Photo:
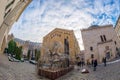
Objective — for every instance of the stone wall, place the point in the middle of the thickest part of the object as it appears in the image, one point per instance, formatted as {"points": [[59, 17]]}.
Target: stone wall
{"points": [[58, 36], [94, 45]]}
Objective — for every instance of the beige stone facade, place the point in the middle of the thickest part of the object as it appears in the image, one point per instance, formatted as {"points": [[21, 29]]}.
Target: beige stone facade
{"points": [[62, 38], [10, 12], [99, 42], [28, 45]]}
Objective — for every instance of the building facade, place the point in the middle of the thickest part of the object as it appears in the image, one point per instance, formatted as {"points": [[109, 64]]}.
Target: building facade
{"points": [[28, 46], [100, 42], [60, 41], [10, 12]]}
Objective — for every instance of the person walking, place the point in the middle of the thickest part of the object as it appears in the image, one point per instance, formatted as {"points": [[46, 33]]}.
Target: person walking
{"points": [[95, 63], [92, 62], [104, 61], [82, 62], [78, 63]]}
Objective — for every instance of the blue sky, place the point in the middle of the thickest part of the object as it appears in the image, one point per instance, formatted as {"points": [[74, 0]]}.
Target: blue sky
{"points": [[42, 16]]}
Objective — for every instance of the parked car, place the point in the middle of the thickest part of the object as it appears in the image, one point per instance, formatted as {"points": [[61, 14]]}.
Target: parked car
{"points": [[10, 58], [13, 59], [22, 60], [33, 62], [16, 60]]}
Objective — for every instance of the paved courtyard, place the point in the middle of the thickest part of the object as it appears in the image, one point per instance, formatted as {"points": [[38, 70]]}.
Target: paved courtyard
{"points": [[110, 72], [26, 71], [16, 70]]}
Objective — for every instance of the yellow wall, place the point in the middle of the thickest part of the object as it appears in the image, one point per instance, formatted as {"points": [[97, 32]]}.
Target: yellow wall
{"points": [[58, 35]]}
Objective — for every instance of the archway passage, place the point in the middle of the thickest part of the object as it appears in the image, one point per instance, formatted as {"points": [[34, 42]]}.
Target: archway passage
{"points": [[10, 18], [108, 55]]}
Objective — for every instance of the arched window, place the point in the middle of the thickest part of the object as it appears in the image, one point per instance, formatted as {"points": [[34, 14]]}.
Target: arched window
{"points": [[91, 48], [92, 55], [115, 42]]}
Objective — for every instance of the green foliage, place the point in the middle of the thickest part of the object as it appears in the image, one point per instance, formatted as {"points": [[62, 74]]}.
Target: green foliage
{"points": [[18, 52], [13, 49], [37, 54]]}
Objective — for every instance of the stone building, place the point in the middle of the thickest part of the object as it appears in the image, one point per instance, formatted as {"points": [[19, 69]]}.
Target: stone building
{"points": [[32, 47], [10, 11], [99, 42], [117, 28], [28, 45], [60, 41]]}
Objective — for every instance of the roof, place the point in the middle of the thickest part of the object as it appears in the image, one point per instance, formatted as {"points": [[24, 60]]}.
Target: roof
{"points": [[57, 29], [96, 27]]}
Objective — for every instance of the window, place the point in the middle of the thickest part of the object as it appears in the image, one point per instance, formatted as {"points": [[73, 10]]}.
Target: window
{"points": [[91, 48], [107, 47], [7, 13], [92, 55], [9, 4], [116, 49], [108, 55], [104, 37], [67, 37], [101, 38], [115, 42]]}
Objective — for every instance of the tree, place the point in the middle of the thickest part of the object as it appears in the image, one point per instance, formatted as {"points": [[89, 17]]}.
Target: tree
{"points": [[18, 52], [37, 54], [11, 47]]}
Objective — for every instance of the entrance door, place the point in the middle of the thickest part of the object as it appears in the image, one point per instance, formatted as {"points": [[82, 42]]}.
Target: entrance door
{"points": [[108, 55]]}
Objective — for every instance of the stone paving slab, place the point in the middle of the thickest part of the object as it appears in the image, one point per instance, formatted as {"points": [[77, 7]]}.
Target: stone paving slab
{"points": [[26, 71]]}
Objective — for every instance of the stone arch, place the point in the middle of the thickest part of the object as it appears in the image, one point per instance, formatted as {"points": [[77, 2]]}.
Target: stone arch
{"points": [[3, 44]]}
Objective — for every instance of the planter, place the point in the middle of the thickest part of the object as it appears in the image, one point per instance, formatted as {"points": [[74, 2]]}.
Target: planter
{"points": [[54, 74]]}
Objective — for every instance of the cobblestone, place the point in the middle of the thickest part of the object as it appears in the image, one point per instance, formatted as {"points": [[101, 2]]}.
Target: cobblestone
{"points": [[26, 71], [110, 72], [17, 70]]}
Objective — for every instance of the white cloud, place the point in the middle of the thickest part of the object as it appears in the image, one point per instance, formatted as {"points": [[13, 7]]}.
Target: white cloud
{"points": [[42, 16]]}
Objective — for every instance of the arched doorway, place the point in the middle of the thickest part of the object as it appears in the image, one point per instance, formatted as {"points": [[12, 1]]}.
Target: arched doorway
{"points": [[107, 52]]}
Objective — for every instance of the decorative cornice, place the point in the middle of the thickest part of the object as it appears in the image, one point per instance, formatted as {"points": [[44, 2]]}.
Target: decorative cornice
{"points": [[105, 41]]}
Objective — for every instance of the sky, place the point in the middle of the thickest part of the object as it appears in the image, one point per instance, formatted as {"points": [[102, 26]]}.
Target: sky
{"points": [[42, 16]]}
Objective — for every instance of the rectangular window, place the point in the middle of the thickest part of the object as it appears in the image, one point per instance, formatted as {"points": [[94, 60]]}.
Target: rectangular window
{"points": [[101, 38], [7, 13], [91, 48], [104, 37], [9, 4], [115, 42]]}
